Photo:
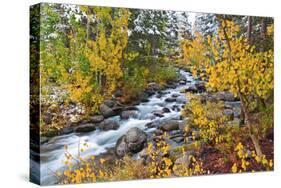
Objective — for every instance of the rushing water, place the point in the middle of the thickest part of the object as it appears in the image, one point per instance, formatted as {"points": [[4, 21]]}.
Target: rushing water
{"points": [[53, 153]]}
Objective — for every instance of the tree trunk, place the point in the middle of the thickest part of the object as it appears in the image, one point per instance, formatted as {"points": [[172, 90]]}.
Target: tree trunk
{"points": [[247, 121], [243, 105], [249, 30]]}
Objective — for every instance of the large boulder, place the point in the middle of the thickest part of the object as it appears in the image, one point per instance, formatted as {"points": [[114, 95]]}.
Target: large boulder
{"points": [[135, 138], [169, 125], [109, 124], [88, 127], [96, 119], [129, 114], [132, 142], [106, 111]]}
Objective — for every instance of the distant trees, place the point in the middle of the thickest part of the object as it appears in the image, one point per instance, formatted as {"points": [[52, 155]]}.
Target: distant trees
{"points": [[82, 50], [87, 53]]}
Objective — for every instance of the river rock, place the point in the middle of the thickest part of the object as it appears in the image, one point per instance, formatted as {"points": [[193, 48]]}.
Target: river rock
{"points": [[150, 125], [106, 111], [67, 130], [181, 100], [135, 139], [158, 113], [96, 119], [225, 96], [117, 93], [109, 124], [175, 95], [88, 127], [191, 89], [121, 148], [166, 110], [171, 85], [109, 103], [200, 86], [182, 82], [132, 142], [131, 108], [176, 108], [43, 140], [170, 100], [117, 109], [169, 125], [153, 86], [128, 114]]}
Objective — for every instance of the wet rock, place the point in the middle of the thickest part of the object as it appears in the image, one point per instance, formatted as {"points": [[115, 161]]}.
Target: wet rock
{"points": [[150, 125], [43, 140], [176, 108], [117, 109], [131, 108], [149, 92], [158, 95], [144, 100], [158, 113], [109, 124], [181, 100], [67, 130], [169, 125], [175, 95], [200, 86], [170, 100], [96, 119], [129, 114], [166, 110], [191, 89], [88, 127], [182, 82], [132, 142], [106, 111]]}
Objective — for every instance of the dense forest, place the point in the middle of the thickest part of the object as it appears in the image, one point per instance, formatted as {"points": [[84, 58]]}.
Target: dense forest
{"points": [[99, 63]]}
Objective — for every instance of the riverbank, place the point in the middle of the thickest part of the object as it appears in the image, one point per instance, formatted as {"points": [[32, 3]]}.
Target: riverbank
{"points": [[157, 119]]}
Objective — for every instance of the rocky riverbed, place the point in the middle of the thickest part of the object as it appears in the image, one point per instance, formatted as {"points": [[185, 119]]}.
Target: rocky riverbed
{"points": [[122, 129]]}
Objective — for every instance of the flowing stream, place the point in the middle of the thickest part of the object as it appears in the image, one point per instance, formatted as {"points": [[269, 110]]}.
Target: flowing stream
{"points": [[53, 152]]}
